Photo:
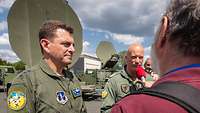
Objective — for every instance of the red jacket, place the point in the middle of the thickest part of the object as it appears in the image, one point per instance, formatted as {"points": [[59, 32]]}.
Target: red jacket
{"points": [[149, 104]]}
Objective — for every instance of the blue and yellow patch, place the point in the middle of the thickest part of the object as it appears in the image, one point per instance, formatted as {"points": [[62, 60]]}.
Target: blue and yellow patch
{"points": [[16, 100]]}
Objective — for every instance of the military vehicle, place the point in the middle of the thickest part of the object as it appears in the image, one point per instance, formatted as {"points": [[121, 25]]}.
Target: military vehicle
{"points": [[108, 59], [7, 74], [94, 80]]}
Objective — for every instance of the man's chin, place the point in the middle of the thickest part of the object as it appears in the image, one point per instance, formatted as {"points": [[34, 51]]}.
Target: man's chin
{"points": [[134, 65], [68, 62]]}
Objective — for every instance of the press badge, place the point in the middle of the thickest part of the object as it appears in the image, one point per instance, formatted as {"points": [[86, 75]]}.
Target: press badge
{"points": [[76, 92]]}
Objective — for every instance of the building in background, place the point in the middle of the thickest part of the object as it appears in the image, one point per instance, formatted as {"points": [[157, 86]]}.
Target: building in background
{"points": [[86, 62]]}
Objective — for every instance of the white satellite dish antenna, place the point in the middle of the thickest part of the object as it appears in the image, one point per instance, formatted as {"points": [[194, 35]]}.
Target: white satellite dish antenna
{"points": [[26, 16], [105, 50]]}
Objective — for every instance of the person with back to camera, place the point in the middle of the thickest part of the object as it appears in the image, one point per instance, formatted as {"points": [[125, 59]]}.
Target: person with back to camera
{"points": [[176, 57]]}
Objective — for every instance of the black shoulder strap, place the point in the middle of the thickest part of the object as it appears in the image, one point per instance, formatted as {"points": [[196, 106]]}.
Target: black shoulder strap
{"points": [[183, 95]]}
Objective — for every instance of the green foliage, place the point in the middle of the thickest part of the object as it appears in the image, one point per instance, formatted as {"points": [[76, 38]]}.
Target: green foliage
{"points": [[4, 63], [19, 65]]}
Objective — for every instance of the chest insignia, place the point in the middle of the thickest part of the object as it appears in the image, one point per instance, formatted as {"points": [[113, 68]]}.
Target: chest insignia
{"points": [[61, 98], [76, 92], [139, 85], [16, 100], [125, 88]]}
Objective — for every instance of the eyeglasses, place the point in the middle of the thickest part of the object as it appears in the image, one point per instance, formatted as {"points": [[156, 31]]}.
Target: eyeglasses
{"points": [[148, 64]]}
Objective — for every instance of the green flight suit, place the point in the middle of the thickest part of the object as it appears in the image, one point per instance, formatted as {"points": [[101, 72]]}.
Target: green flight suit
{"points": [[40, 90], [118, 86]]}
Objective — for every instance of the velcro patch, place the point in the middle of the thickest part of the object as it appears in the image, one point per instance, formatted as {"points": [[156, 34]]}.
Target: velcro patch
{"points": [[61, 97], [125, 88], [16, 100], [76, 92], [104, 94]]}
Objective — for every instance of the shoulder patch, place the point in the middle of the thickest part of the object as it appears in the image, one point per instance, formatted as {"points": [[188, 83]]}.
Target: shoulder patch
{"points": [[125, 88], [104, 94], [16, 99]]}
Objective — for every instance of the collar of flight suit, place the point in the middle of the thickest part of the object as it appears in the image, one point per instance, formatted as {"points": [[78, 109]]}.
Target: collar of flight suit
{"points": [[45, 68], [127, 76]]}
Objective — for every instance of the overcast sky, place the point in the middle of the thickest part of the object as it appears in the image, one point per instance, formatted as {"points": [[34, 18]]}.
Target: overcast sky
{"points": [[121, 21]]}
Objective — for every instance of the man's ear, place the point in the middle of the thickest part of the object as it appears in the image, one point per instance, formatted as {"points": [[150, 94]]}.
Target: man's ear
{"points": [[45, 45], [162, 32]]}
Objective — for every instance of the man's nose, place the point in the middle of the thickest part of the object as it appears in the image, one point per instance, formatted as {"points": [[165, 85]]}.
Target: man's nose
{"points": [[137, 60], [72, 48]]}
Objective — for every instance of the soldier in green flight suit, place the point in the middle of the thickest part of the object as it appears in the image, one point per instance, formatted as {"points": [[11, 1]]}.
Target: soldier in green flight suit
{"points": [[49, 87], [123, 82]]}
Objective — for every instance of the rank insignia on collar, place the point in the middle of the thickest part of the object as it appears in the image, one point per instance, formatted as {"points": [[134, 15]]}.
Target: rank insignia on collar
{"points": [[16, 100], [125, 88], [76, 92], [61, 98]]}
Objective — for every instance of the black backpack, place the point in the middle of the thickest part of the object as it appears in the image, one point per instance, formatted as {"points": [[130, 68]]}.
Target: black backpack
{"points": [[183, 95]]}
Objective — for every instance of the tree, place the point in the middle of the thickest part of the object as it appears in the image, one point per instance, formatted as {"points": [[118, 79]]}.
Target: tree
{"points": [[19, 65], [4, 62]]}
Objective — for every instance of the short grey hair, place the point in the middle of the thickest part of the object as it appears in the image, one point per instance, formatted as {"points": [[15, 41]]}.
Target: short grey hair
{"points": [[184, 25]]}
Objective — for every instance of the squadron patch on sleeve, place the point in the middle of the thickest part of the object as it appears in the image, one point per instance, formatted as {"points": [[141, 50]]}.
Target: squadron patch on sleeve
{"points": [[16, 100], [104, 94], [125, 88]]}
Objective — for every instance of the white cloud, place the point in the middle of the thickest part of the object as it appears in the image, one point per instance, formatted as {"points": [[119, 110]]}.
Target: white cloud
{"points": [[128, 39], [147, 51], [4, 39], [6, 3], [106, 36], [137, 17], [5, 50], [8, 55], [3, 25], [86, 45]]}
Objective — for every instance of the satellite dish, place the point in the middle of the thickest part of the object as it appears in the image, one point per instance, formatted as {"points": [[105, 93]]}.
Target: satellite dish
{"points": [[24, 20], [107, 54]]}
